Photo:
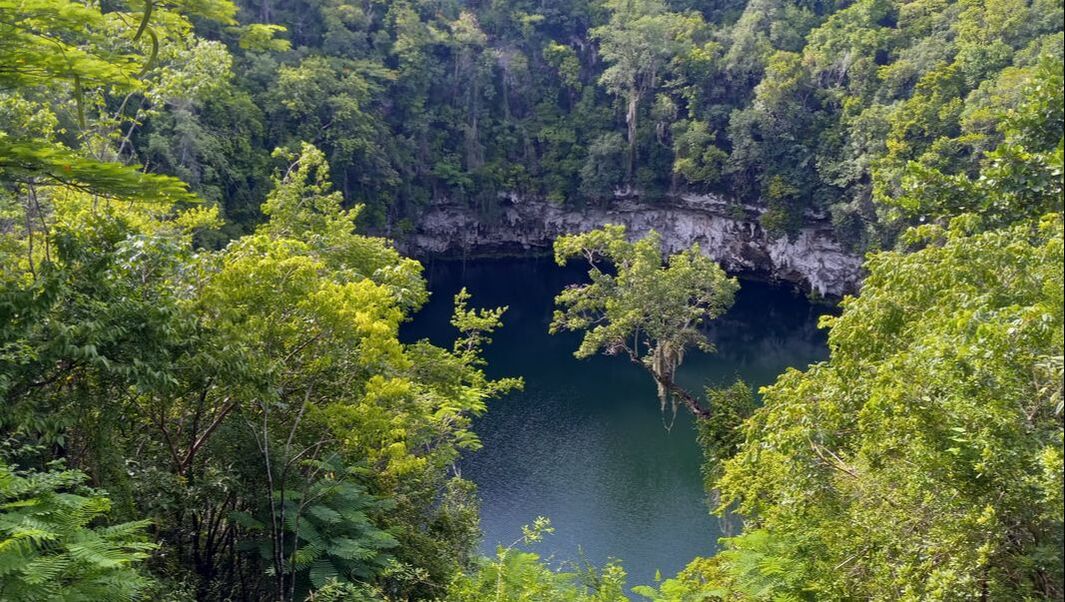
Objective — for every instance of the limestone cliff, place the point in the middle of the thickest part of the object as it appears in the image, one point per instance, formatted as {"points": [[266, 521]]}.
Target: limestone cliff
{"points": [[812, 259]]}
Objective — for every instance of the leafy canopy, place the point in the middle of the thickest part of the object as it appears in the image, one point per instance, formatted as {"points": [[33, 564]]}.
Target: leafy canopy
{"points": [[641, 304], [923, 460]]}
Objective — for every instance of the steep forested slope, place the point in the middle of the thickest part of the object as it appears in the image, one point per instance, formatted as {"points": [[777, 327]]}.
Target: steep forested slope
{"points": [[792, 105]]}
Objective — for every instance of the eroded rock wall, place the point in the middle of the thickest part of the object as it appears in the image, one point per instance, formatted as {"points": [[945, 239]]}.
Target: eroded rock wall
{"points": [[812, 259]]}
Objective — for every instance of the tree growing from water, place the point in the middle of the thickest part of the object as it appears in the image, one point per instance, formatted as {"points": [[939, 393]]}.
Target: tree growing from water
{"points": [[642, 304]]}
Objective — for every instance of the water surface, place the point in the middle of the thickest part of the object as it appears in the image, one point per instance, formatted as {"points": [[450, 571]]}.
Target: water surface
{"points": [[585, 443]]}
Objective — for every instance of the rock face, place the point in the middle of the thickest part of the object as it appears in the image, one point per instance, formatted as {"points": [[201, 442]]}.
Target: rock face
{"points": [[812, 259]]}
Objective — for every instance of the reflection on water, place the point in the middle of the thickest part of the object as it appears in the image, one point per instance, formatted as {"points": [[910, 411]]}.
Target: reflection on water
{"points": [[584, 444]]}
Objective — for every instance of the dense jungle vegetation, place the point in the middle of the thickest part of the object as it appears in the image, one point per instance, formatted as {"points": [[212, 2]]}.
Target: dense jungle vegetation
{"points": [[205, 395]]}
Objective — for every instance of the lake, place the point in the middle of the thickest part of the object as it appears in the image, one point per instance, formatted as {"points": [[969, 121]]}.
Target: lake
{"points": [[586, 444]]}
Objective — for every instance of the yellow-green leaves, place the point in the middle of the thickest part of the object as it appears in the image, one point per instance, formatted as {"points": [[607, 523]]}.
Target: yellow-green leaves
{"points": [[283, 346], [259, 37], [27, 160], [40, 45], [921, 453], [303, 206], [519, 576], [52, 548]]}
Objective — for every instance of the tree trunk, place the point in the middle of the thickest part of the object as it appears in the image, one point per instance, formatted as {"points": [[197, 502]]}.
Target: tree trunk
{"points": [[680, 392], [630, 119]]}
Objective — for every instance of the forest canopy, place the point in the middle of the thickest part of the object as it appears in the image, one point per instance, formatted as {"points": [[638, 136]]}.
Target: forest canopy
{"points": [[801, 108], [205, 391]]}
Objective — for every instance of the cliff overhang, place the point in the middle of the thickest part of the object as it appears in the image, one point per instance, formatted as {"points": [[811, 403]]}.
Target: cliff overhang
{"points": [[812, 258]]}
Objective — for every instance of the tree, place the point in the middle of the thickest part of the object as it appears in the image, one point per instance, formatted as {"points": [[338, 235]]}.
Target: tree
{"points": [[721, 434], [638, 42], [315, 309], [697, 158], [265, 380], [642, 305], [181, 378], [326, 534], [925, 454], [1020, 178]]}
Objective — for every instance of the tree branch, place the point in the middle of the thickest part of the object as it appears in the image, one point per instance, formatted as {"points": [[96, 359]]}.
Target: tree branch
{"points": [[667, 383]]}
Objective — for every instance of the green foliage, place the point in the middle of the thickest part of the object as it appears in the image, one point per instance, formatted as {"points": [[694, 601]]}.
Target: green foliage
{"points": [[603, 172], [315, 309], [721, 434], [248, 384], [638, 42], [573, 102], [31, 161], [67, 56], [664, 300], [49, 549], [44, 42], [327, 533], [514, 575], [570, 101], [640, 304], [924, 455], [928, 396], [200, 386], [259, 37], [752, 566], [1019, 178], [698, 159]]}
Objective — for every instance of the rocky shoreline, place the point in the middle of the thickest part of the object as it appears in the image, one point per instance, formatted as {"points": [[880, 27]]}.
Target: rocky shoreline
{"points": [[812, 259]]}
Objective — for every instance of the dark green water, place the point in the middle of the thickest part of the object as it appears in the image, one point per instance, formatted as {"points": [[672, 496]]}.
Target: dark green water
{"points": [[584, 444]]}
